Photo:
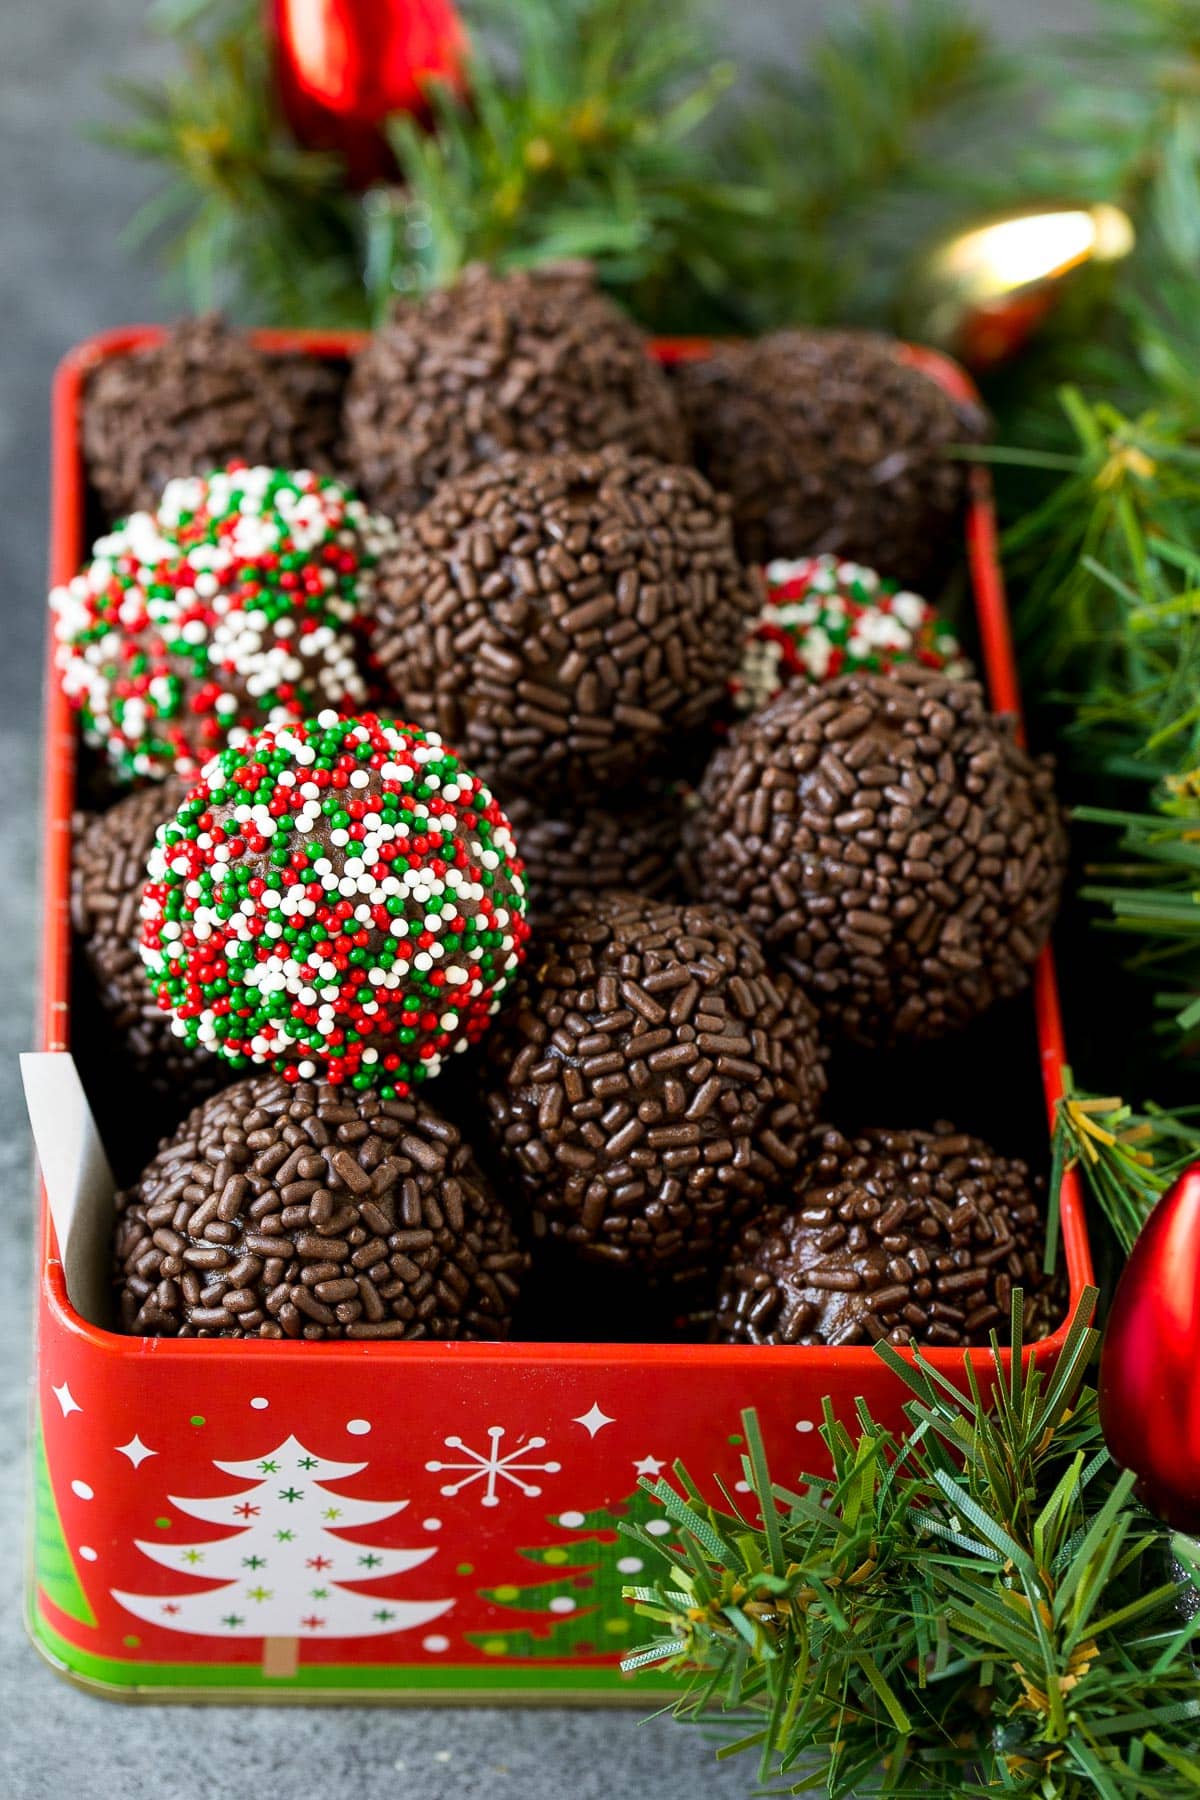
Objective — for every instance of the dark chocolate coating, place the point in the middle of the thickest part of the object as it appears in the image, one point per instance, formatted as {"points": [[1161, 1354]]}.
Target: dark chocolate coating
{"points": [[891, 843], [535, 361], [108, 870], [828, 440], [576, 853], [307, 1211], [562, 621], [652, 1082], [202, 398], [892, 1236]]}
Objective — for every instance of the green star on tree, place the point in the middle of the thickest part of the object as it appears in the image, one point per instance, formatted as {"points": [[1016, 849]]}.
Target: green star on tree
{"points": [[307, 1462], [370, 1560], [233, 1620], [284, 1537], [254, 1562], [269, 1467], [193, 1556], [259, 1593], [291, 1493]]}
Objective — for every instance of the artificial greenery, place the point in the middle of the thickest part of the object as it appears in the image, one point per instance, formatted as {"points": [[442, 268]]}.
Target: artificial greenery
{"points": [[978, 1605], [709, 198], [1128, 1159]]}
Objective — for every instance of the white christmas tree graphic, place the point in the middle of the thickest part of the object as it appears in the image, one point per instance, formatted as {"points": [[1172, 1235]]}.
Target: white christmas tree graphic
{"points": [[282, 1576]]}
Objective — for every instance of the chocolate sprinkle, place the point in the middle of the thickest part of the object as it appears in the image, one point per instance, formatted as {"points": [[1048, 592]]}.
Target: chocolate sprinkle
{"points": [[575, 854], [203, 397], [534, 361], [561, 620], [829, 441], [653, 1081], [108, 871], [301, 1211], [891, 842], [892, 1236]]}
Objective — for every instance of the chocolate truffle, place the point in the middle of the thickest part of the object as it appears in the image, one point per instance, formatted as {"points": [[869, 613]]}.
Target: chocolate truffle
{"points": [[652, 1082], [230, 606], [825, 618], [203, 397], [891, 843], [108, 870], [281, 1211], [340, 898], [831, 440], [576, 853], [564, 619], [891, 1236], [535, 361]]}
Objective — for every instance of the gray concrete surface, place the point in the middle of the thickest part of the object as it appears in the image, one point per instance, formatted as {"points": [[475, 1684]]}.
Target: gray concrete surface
{"points": [[64, 273]]}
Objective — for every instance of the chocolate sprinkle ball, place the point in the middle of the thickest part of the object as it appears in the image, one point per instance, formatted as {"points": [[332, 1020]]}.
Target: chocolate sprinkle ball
{"points": [[307, 1212], [653, 1081], [108, 870], [202, 397], [891, 843], [534, 361], [830, 441], [575, 854], [564, 619], [892, 1236]]}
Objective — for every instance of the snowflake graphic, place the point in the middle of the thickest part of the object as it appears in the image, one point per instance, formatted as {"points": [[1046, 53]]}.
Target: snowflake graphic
{"points": [[493, 1466]]}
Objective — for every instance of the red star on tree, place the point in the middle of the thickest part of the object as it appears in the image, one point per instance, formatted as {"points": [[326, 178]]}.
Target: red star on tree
{"points": [[312, 1623], [319, 1562], [246, 1511]]}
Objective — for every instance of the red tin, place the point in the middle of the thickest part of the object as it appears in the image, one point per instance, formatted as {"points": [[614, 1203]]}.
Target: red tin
{"points": [[402, 1521]]}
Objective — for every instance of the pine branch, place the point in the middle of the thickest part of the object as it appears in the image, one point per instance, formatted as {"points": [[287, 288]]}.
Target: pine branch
{"points": [[978, 1605], [1128, 1159]]}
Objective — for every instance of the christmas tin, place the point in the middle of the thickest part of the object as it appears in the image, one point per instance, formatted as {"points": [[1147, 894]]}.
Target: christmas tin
{"points": [[406, 1520]]}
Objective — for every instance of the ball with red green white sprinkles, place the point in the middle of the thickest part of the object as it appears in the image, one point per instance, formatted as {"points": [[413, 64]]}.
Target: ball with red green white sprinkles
{"points": [[339, 898], [824, 618], [229, 607]]}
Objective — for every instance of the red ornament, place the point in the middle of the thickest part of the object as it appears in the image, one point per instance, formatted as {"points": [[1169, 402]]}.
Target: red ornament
{"points": [[1150, 1366], [343, 66]]}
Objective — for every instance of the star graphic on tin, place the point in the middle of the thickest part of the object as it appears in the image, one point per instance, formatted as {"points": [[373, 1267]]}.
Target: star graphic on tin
{"points": [[649, 1465], [593, 1420], [332, 1512], [312, 1623], [258, 1593], [306, 1462], [135, 1450], [383, 1615], [284, 1537], [368, 1561], [319, 1562], [318, 1593], [193, 1556], [291, 1493], [268, 1466], [233, 1620], [170, 1607], [68, 1402], [254, 1562]]}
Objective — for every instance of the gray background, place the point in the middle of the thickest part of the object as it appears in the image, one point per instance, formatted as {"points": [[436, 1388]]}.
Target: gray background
{"points": [[64, 274]]}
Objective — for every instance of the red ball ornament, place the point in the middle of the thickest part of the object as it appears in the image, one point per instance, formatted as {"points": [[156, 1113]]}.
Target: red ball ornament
{"points": [[343, 66], [1150, 1365]]}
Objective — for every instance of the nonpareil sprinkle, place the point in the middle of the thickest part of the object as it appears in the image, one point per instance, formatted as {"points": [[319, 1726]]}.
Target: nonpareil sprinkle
{"points": [[233, 605], [339, 898]]}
